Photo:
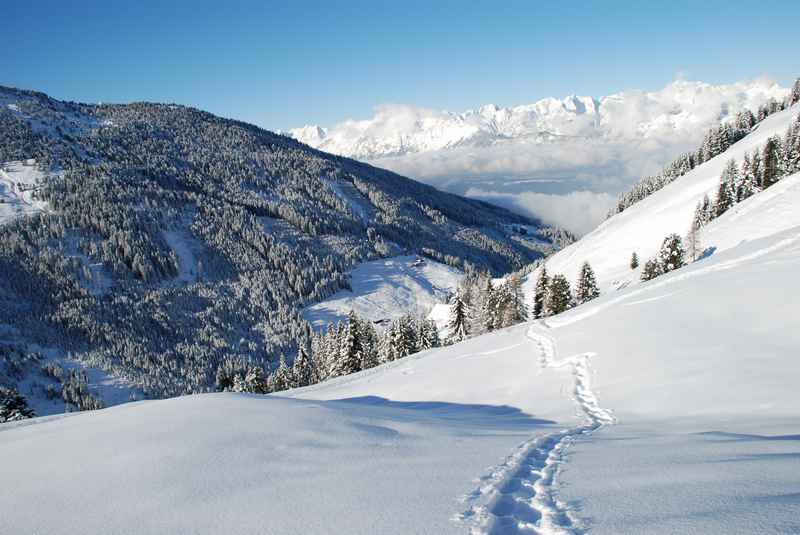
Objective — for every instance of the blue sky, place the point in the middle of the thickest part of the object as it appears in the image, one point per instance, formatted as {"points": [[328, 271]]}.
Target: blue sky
{"points": [[280, 65]]}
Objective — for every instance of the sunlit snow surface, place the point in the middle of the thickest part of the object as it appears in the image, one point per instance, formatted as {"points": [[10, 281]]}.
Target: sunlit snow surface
{"points": [[18, 182], [664, 407], [698, 368], [642, 227], [388, 288]]}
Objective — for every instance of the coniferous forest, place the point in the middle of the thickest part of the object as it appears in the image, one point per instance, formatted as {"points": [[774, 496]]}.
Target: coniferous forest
{"points": [[178, 249]]}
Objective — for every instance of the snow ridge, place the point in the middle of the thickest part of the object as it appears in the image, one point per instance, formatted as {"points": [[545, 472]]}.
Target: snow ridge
{"points": [[520, 495]]}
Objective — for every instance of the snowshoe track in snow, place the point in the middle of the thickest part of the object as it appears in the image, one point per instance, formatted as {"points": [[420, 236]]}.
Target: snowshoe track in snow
{"points": [[519, 496]]}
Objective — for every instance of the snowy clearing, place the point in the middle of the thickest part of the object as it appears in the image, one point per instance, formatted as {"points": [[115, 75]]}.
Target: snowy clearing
{"points": [[386, 289], [18, 182]]}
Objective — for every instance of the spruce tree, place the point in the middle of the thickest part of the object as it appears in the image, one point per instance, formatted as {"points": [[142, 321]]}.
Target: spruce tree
{"points": [[325, 360], [634, 260], [428, 335], [302, 369], [458, 326], [516, 299], [559, 295], [699, 218], [405, 342], [586, 288], [671, 255], [350, 351], [386, 351], [542, 284], [726, 194], [794, 94], [255, 380], [791, 149], [770, 163], [747, 180], [282, 377], [369, 345], [488, 313], [651, 270], [13, 406]]}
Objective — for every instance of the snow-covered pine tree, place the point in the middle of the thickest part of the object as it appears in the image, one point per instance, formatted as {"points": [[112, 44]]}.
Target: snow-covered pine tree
{"points": [[770, 163], [634, 260], [504, 311], [693, 243], [671, 255], [386, 344], [699, 218], [428, 335], [747, 181], [726, 194], [794, 94], [405, 342], [256, 381], [325, 359], [651, 270], [745, 121], [516, 299], [350, 351], [559, 295], [302, 369], [586, 288], [542, 284], [282, 376], [315, 355], [458, 325], [238, 384], [791, 149], [13, 406], [253, 381], [369, 345], [488, 313]]}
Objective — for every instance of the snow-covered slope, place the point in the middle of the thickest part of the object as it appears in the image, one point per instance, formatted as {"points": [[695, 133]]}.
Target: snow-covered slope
{"points": [[664, 407], [668, 407], [386, 289], [642, 227], [18, 181]]}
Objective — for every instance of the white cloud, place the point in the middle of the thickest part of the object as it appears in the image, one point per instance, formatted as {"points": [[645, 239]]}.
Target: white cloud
{"points": [[551, 147], [576, 211]]}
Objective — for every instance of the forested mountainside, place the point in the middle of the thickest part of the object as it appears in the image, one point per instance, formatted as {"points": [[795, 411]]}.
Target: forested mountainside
{"points": [[170, 247], [717, 140]]}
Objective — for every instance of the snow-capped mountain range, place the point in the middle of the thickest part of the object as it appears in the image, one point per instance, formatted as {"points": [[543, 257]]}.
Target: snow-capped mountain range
{"points": [[681, 107], [561, 160]]}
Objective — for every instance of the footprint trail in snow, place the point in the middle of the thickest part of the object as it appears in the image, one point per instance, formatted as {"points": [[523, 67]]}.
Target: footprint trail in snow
{"points": [[519, 495]]}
